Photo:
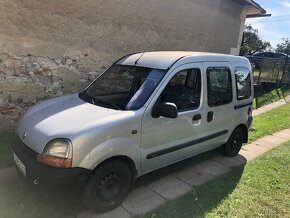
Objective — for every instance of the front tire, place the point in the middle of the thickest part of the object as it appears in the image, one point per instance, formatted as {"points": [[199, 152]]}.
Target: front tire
{"points": [[108, 186], [234, 143]]}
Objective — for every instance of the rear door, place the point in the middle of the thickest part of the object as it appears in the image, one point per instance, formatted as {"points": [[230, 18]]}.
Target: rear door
{"points": [[219, 106]]}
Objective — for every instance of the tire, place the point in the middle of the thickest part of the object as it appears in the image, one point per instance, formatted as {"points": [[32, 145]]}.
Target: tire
{"points": [[234, 143], [108, 186]]}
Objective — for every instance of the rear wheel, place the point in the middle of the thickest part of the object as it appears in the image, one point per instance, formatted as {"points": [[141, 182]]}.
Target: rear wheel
{"points": [[234, 143], [108, 186]]}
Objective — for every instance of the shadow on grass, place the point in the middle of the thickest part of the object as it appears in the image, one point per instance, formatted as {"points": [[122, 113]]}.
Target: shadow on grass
{"points": [[19, 198], [201, 199], [22, 199], [174, 168]]}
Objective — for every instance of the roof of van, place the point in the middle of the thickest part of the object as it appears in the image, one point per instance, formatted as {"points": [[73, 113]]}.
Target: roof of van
{"points": [[166, 59]]}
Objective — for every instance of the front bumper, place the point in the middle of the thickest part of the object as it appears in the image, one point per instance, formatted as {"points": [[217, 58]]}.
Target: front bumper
{"points": [[72, 179]]}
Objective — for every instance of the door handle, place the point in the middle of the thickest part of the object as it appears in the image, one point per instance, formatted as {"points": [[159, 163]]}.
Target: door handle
{"points": [[196, 117], [210, 116]]}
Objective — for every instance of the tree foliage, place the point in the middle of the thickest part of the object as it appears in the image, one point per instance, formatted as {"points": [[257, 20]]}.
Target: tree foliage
{"points": [[251, 42], [284, 46]]}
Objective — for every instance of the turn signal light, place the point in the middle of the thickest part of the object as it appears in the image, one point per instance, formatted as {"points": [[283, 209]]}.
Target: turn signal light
{"points": [[55, 161]]}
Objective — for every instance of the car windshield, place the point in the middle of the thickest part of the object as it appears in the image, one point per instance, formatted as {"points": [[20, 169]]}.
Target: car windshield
{"points": [[123, 87]]}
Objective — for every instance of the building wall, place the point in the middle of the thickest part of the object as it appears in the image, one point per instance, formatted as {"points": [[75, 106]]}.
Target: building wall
{"points": [[53, 47]]}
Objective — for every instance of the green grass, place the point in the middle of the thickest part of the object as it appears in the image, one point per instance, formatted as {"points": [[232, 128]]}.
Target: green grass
{"points": [[267, 98], [261, 189], [271, 97], [270, 122], [6, 138]]}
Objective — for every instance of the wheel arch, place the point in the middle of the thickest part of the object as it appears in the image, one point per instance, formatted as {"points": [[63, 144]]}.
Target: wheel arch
{"points": [[244, 128], [120, 148], [127, 160]]}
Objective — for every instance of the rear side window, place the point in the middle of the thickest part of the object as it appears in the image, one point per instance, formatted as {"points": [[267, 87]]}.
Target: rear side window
{"points": [[219, 86], [243, 83]]}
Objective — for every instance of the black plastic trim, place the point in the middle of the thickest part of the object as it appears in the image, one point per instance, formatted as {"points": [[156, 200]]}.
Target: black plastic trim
{"points": [[124, 57], [185, 145], [243, 105], [174, 62], [46, 175]]}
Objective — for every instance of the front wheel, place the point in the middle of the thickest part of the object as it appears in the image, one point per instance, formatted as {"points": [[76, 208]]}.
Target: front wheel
{"points": [[234, 143], [108, 186]]}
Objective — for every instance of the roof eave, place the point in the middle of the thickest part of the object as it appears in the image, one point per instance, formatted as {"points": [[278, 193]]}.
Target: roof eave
{"points": [[257, 6], [258, 15]]}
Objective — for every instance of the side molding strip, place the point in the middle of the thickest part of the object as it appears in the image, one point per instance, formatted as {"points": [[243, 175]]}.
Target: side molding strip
{"points": [[243, 105], [185, 145]]}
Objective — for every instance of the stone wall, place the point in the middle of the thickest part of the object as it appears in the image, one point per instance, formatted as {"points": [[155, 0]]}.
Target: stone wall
{"points": [[53, 47], [24, 80]]}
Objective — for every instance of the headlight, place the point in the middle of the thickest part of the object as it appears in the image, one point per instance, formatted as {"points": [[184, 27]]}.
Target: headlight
{"points": [[58, 148], [57, 153]]}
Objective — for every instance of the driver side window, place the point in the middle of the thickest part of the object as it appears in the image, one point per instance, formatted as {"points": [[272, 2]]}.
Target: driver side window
{"points": [[184, 90]]}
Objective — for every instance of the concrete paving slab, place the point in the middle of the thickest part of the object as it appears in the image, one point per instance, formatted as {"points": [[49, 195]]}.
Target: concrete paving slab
{"points": [[248, 155], [265, 143], [268, 107], [231, 161], [118, 212], [212, 167], [170, 187], [142, 200], [286, 131], [275, 139], [282, 135], [7, 174], [193, 176], [256, 149]]}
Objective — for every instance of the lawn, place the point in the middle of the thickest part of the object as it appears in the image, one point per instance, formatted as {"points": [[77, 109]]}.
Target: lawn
{"points": [[272, 96], [270, 122], [261, 189]]}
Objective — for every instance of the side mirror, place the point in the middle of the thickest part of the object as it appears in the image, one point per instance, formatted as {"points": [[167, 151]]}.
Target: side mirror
{"points": [[166, 109]]}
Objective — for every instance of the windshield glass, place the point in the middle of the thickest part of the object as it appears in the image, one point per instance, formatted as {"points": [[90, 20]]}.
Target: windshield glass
{"points": [[123, 87]]}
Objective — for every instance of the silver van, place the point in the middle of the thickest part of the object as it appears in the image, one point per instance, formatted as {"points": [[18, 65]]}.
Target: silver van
{"points": [[148, 110]]}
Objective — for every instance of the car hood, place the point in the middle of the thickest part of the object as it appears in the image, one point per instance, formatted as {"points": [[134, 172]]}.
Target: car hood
{"points": [[62, 117]]}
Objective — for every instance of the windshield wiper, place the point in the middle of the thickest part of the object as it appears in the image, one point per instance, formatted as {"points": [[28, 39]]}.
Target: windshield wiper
{"points": [[96, 100], [108, 103]]}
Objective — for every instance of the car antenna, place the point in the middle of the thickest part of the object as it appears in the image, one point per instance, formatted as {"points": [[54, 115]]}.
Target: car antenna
{"points": [[136, 62]]}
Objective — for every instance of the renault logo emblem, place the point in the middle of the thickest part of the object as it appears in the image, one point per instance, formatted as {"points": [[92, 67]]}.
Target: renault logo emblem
{"points": [[24, 135]]}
